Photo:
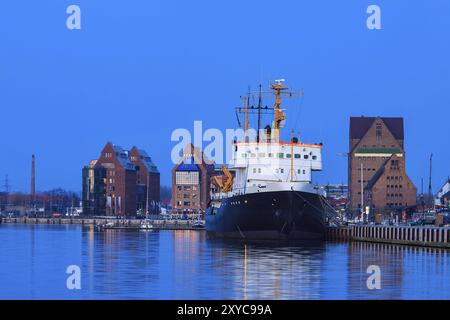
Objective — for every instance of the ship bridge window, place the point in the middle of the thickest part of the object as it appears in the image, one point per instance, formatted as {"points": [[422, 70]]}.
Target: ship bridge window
{"points": [[305, 156], [314, 157], [270, 155], [261, 155], [244, 155], [281, 155], [253, 155], [288, 155], [297, 156]]}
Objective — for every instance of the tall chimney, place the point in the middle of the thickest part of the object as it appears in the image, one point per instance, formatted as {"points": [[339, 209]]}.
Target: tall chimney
{"points": [[33, 177]]}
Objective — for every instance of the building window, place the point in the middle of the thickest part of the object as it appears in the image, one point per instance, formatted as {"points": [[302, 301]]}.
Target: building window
{"points": [[186, 203], [379, 135], [314, 157], [297, 156], [281, 155], [305, 156], [288, 155], [187, 177]]}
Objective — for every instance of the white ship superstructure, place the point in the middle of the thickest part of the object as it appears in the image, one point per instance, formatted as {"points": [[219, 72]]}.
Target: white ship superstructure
{"points": [[267, 166]]}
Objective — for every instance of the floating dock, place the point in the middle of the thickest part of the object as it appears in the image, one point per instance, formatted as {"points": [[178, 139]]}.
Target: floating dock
{"points": [[426, 236]]}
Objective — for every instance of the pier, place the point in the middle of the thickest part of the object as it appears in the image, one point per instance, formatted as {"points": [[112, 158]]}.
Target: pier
{"points": [[159, 224], [427, 236]]}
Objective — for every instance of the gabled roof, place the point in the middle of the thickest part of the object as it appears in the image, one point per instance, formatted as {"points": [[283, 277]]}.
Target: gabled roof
{"points": [[147, 161], [122, 157], [192, 158], [360, 125]]}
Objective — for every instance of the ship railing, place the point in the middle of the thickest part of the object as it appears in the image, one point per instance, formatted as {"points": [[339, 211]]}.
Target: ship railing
{"points": [[222, 195]]}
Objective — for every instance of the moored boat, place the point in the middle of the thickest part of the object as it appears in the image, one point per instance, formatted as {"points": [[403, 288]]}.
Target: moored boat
{"points": [[268, 192]]}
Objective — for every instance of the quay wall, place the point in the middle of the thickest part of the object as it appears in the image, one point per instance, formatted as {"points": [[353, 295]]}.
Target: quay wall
{"points": [[157, 223], [428, 236]]}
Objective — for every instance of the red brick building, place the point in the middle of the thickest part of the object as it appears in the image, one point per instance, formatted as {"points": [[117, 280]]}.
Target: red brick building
{"points": [[147, 181], [120, 181], [123, 185], [191, 181], [376, 152]]}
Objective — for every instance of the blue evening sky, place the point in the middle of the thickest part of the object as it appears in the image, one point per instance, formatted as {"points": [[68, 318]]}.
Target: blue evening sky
{"points": [[139, 69]]}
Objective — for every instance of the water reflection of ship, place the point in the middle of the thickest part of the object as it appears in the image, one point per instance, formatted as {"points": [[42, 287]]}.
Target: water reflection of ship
{"points": [[269, 272]]}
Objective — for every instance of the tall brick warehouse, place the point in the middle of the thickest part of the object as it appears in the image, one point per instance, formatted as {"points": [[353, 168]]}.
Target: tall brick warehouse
{"points": [[116, 183], [378, 144], [191, 181]]}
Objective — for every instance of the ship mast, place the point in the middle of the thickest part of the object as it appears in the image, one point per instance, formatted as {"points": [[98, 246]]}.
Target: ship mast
{"points": [[246, 122], [279, 113], [259, 112]]}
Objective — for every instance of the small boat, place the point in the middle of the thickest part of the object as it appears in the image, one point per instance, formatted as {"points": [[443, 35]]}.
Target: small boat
{"points": [[146, 225], [108, 225], [198, 224], [117, 226]]}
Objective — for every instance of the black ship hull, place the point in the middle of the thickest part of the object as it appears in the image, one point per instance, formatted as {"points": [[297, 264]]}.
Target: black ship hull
{"points": [[279, 215]]}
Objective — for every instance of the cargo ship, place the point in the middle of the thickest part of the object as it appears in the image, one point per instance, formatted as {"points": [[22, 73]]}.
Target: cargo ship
{"points": [[267, 192]]}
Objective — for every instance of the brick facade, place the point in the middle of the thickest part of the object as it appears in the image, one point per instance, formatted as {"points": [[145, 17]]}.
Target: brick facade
{"points": [[191, 181], [373, 143], [120, 181], [125, 183], [147, 176]]}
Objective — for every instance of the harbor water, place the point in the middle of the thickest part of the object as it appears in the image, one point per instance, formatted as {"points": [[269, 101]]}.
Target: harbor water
{"points": [[185, 264]]}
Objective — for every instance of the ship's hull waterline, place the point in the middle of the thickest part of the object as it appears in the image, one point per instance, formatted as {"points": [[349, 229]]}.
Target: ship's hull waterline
{"points": [[278, 215]]}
